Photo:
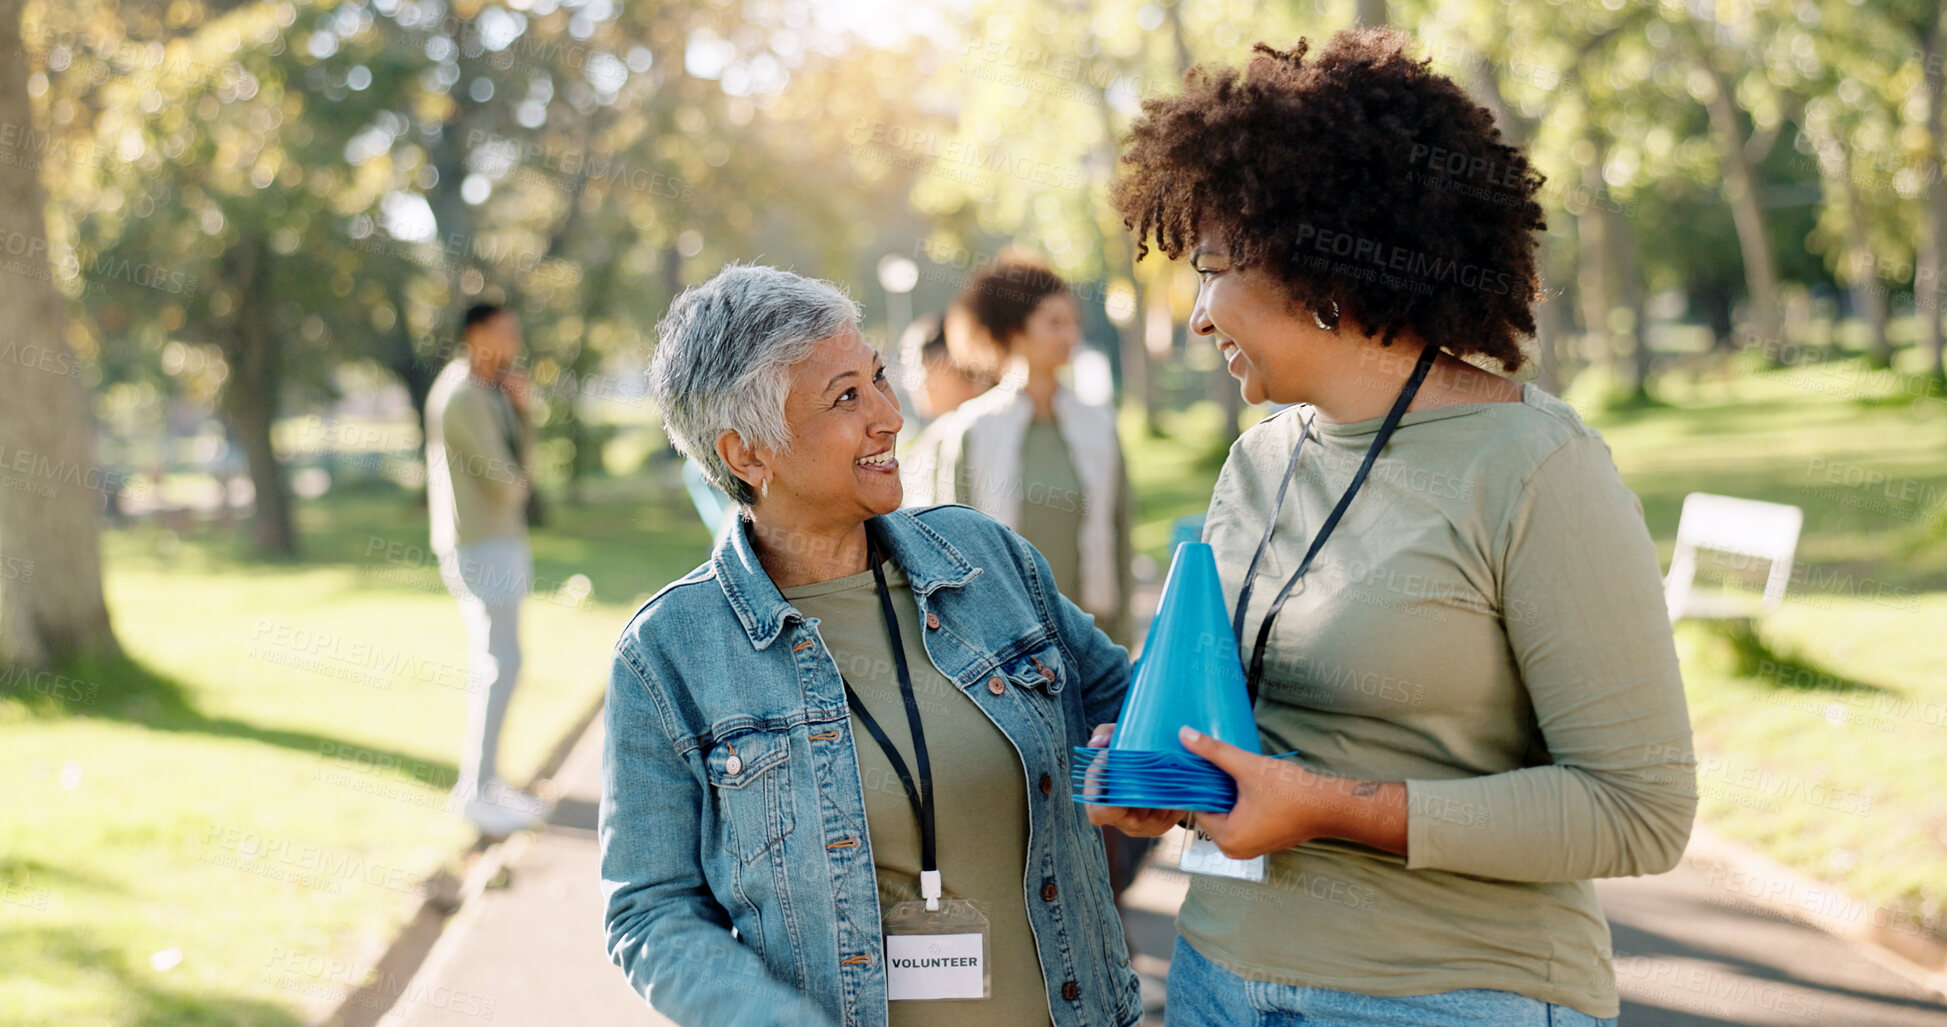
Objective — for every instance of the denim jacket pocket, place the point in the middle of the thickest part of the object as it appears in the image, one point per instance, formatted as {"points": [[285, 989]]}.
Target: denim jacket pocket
{"points": [[750, 777], [1042, 670]]}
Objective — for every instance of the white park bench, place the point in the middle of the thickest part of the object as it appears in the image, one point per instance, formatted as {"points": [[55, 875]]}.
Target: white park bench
{"points": [[1743, 527]]}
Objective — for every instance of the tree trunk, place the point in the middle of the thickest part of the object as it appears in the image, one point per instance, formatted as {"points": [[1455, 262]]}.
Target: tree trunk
{"points": [[1741, 191], [51, 492], [1548, 327], [1592, 275], [1137, 381], [1868, 297], [1119, 255], [415, 372], [1633, 363], [1926, 280], [250, 398]]}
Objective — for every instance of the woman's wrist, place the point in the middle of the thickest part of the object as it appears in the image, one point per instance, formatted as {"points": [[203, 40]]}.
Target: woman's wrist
{"points": [[1370, 813]]}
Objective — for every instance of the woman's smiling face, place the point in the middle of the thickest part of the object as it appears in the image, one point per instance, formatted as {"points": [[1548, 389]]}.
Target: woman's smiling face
{"points": [[844, 420], [1247, 315]]}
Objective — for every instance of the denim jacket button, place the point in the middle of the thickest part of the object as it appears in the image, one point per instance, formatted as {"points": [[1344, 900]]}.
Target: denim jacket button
{"points": [[932, 620], [1048, 892], [1047, 784], [1071, 991], [997, 685], [733, 765]]}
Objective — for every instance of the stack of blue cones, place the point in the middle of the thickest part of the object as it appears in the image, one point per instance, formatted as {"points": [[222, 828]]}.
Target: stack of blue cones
{"points": [[1189, 674]]}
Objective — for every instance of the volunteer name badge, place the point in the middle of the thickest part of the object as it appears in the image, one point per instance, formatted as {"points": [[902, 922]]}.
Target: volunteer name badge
{"points": [[1201, 856], [936, 954], [935, 966]]}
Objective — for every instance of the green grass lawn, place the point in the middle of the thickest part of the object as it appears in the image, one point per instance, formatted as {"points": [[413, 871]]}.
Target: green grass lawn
{"points": [[258, 788], [1821, 729]]}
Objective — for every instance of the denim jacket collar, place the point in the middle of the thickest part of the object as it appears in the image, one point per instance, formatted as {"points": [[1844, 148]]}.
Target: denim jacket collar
{"points": [[928, 559]]}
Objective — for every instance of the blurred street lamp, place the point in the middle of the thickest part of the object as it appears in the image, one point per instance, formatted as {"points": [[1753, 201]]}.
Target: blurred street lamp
{"points": [[897, 275]]}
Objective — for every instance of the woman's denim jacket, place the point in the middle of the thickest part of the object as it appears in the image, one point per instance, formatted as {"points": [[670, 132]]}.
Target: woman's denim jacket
{"points": [[735, 857]]}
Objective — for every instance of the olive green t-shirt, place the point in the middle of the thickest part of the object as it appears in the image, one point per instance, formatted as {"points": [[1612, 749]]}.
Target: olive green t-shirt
{"points": [[981, 802], [1052, 503], [1053, 506], [1487, 625]]}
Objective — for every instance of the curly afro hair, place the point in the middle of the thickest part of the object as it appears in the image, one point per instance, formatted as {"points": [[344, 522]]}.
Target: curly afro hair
{"points": [[1359, 178]]}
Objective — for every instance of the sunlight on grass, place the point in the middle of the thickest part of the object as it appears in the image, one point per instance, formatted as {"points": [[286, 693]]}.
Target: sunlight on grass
{"points": [[261, 785]]}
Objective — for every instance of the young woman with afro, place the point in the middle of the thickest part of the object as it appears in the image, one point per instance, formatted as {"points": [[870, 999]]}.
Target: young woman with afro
{"points": [[1446, 600]]}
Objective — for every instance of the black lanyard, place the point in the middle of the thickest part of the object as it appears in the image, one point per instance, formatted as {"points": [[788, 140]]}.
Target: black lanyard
{"points": [[1386, 429], [920, 794]]}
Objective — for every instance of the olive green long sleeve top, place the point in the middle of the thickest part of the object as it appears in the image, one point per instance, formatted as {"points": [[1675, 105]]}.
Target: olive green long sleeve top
{"points": [[1487, 625]]}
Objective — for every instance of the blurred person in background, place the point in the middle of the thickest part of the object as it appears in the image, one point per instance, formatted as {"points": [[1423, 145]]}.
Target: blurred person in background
{"points": [[943, 384], [939, 385], [479, 443], [849, 709], [1029, 452]]}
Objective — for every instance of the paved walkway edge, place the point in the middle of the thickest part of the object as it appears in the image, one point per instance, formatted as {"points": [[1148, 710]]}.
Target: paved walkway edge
{"points": [[1746, 877], [447, 906], [1753, 879]]}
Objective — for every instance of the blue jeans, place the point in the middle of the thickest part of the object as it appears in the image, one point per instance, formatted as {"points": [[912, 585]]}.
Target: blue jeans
{"points": [[1203, 994]]}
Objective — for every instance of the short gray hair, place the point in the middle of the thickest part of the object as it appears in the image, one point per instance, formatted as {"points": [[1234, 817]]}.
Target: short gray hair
{"points": [[724, 356]]}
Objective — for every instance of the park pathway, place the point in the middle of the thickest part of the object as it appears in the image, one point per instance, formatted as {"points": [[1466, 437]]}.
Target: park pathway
{"points": [[1685, 958]]}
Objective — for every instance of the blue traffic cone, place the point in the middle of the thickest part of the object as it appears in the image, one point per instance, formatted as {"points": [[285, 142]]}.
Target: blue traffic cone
{"points": [[1190, 672]]}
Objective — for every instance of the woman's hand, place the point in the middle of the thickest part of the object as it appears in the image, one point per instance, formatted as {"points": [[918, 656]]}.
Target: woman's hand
{"points": [[1137, 823], [1281, 804]]}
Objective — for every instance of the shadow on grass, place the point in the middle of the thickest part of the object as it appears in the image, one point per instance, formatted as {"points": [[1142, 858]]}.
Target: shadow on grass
{"points": [[137, 993], [1755, 659], [17, 874], [632, 536], [121, 688]]}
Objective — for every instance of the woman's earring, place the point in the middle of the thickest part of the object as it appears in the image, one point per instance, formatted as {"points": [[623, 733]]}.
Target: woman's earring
{"points": [[1320, 318], [764, 489]]}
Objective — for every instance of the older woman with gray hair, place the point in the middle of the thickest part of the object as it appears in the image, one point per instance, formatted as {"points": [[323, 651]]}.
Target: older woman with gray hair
{"points": [[835, 789]]}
